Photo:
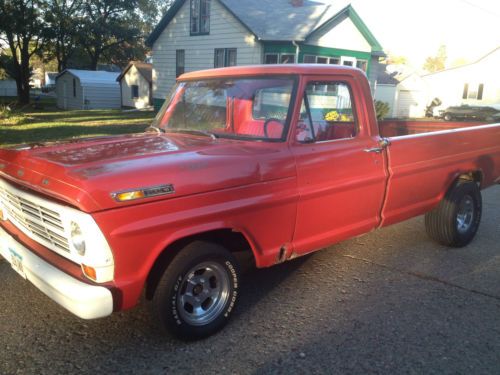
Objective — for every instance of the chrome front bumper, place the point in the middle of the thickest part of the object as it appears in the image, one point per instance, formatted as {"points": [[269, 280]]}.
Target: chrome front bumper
{"points": [[84, 300]]}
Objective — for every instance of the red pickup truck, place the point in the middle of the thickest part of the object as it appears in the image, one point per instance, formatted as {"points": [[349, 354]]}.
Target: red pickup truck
{"points": [[276, 161]]}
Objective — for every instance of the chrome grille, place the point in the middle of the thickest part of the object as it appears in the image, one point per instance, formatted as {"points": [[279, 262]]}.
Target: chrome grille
{"points": [[44, 224]]}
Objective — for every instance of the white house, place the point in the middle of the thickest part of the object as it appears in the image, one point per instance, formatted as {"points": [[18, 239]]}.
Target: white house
{"points": [[472, 84], [136, 85], [202, 34], [86, 89], [8, 87], [476, 84], [50, 79]]}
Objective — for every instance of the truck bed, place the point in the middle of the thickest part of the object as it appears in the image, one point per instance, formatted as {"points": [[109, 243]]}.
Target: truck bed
{"points": [[424, 158], [397, 128]]}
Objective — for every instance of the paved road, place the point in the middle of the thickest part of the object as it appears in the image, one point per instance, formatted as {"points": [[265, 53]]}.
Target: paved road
{"points": [[389, 302]]}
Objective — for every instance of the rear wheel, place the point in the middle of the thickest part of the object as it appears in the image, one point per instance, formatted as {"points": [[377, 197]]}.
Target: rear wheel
{"points": [[456, 219], [197, 292]]}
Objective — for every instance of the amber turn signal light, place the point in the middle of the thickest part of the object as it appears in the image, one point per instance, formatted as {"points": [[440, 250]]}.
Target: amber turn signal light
{"points": [[129, 195], [152, 191], [89, 272]]}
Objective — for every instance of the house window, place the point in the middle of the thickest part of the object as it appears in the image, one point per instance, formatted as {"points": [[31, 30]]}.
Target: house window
{"points": [[179, 62], [312, 59], [74, 88], [224, 57], [309, 59], [287, 58], [200, 17], [135, 91], [231, 56], [279, 58], [362, 64], [473, 92], [271, 58]]}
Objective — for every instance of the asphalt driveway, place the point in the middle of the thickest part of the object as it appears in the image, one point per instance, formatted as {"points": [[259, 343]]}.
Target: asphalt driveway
{"points": [[388, 302]]}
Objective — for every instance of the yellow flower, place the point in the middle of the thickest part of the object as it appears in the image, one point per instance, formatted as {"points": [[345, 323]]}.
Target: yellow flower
{"points": [[332, 116], [345, 117]]}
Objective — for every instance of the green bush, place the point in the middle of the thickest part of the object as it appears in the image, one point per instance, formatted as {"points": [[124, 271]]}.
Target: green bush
{"points": [[381, 109]]}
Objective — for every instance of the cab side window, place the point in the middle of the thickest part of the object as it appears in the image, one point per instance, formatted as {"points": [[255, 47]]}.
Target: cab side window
{"points": [[327, 113]]}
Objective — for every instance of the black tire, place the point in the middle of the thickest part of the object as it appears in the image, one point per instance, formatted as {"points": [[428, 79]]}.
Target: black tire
{"points": [[455, 221], [183, 303], [447, 117]]}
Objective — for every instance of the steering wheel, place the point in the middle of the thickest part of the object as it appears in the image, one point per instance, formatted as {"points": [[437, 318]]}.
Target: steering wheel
{"points": [[266, 123]]}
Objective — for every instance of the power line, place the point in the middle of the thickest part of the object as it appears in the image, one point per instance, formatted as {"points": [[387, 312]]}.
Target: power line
{"points": [[489, 11]]}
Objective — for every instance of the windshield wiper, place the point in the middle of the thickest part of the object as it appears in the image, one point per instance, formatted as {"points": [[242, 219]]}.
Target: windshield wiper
{"points": [[192, 131], [154, 128]]}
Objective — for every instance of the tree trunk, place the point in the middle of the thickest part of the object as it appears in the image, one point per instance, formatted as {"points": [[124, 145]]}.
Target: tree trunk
{"points": [[94, 60], [23, 87], [23, 94]]}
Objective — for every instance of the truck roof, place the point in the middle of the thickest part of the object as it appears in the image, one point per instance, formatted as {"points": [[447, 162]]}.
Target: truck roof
{"points": [[274, 69]]}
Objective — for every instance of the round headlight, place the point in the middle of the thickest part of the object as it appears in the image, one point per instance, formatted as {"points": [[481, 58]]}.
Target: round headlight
{"points": [[77, 238]]}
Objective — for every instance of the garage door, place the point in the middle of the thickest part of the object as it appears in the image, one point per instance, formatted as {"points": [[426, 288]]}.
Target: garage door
{"points": [[406, 99]]}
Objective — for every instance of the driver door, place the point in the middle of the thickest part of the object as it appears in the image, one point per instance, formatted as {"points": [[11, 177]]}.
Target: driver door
{"points": [[341, 175]]}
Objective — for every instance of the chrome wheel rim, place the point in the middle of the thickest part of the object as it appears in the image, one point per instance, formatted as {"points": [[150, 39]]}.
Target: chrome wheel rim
{"points": [[465, 214], [203, 293]]}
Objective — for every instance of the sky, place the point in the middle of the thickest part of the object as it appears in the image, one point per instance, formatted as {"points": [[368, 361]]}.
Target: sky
{"points": [[416, 28]]}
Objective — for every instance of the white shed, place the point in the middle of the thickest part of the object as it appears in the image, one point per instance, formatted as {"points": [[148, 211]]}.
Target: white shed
{"points": [[412, 96], [136, 85], [8, 87], [87, 89]]}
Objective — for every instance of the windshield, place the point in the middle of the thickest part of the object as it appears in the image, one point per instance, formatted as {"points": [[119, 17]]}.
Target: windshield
{"points": [[252, 108]]}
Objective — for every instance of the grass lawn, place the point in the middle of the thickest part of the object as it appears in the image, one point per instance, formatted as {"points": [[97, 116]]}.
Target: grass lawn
{"points": [[45, 122]]}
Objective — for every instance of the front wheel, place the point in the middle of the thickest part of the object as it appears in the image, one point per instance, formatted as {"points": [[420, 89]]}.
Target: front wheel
{"points": [[197, 292], [456, 219]]}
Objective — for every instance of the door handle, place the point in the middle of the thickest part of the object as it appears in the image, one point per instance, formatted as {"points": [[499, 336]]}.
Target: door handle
{"points": [[376, 150], [383, 143]]}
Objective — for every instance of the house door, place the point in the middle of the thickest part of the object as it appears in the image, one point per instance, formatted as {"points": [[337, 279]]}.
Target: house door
{"points": [[65, 95], [341, 168]]}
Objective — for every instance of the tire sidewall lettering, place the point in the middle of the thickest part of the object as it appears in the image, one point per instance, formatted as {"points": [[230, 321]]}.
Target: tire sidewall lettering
{"points": [[173, 299]]}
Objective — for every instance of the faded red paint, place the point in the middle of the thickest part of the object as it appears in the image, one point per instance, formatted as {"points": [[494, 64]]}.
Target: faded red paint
{"points": [[301, 196]]}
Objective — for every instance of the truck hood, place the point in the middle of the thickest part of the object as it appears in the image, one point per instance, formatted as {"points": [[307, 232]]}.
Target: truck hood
{"points": [[84, 173]]}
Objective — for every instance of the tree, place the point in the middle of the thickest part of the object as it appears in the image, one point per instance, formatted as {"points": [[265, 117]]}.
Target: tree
{"points": [[107, 25], [62, 18], [436, 63], [151, 12], [392, 59], [22, 35]]}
